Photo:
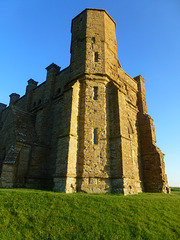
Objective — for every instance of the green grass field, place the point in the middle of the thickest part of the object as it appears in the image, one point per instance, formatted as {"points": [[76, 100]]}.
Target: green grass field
{"points": [[36, 214]]}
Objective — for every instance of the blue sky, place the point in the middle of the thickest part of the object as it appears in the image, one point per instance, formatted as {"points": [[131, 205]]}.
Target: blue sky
{"points": [[35, 33]]}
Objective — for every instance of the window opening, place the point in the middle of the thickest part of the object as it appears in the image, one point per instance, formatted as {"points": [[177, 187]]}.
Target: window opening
{"points": [[93, 39], [95, 136], [39, 102], [96, 57], [80, 22], [95, 97]]}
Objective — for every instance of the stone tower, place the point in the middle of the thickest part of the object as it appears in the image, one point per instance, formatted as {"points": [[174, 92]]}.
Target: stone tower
{"points": [[87, 127]]}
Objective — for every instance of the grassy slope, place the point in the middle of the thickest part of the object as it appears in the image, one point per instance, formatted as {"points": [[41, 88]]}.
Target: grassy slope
{"points": [[35, 214]]}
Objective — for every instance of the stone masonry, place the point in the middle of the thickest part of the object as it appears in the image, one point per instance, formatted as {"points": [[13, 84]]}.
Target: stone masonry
{"points": [[86, 128]]}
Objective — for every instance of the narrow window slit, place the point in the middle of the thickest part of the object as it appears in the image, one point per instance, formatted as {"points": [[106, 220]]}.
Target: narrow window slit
{"points": [[95, 97], [96, 57], [92, 42], [95, 136]]}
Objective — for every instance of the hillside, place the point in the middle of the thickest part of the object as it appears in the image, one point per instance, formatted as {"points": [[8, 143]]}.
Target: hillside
{"points": [[36, 214]]}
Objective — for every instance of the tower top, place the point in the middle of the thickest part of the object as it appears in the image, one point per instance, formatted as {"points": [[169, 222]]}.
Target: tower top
{"points": [[93, 44], [94, 9]]}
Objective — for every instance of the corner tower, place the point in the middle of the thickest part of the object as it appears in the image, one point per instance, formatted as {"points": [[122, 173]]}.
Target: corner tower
{"points": [[101, 148], [93, 44]]}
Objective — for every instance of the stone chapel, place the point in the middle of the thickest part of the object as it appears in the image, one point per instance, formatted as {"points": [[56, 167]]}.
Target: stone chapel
{"points": [[86, 128]]}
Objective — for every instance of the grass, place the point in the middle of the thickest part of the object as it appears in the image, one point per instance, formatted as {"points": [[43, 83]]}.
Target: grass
{"points": [[36, 214]]}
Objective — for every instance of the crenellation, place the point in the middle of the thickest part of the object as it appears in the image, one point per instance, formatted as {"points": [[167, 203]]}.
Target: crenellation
{"points": [[32, 84], [13, 98], [86, 128]]}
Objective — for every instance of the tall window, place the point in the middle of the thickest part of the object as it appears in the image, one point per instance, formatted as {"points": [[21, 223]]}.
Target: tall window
{"points": [[95, 136], [95, 97], [96, 56], [92, 42]]}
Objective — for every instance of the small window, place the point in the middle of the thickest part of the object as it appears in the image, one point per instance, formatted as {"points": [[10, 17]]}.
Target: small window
{"points": [[39, 102], [96, 57], [95, 136], [93, 39], [95, 97], [80, 22]]}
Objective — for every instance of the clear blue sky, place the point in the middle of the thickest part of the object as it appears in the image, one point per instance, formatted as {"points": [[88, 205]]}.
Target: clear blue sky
{"points": [[35, 33]]}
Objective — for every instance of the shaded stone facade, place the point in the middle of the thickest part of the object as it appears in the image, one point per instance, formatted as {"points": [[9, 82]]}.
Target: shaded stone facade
{"points": [[85, 128]]}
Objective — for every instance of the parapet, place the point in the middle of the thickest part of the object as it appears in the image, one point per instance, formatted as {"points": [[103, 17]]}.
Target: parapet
{"points": [[53, 66], [32, 82], [31, 85], [14, 97]]}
